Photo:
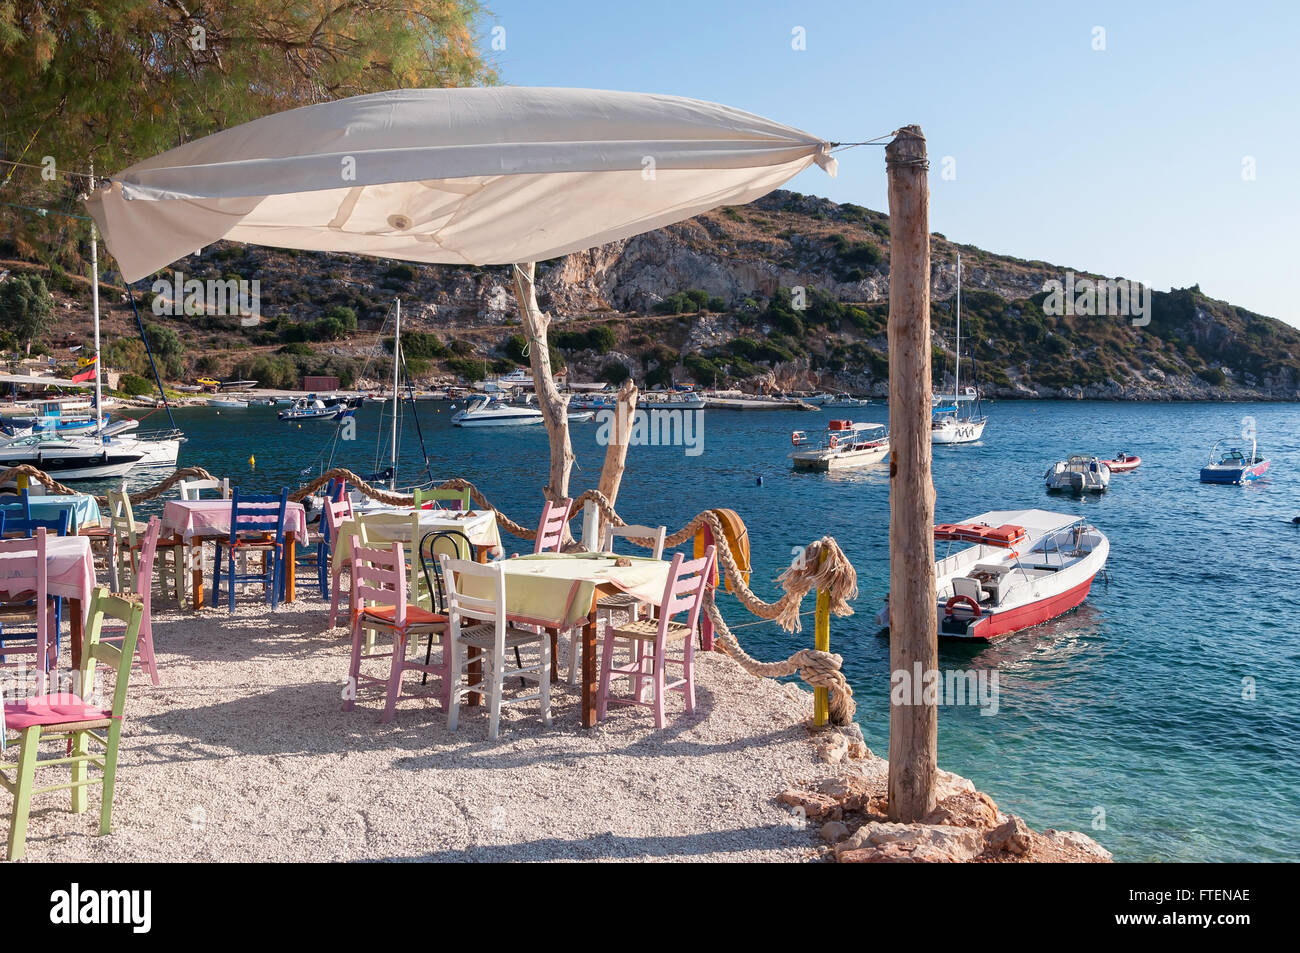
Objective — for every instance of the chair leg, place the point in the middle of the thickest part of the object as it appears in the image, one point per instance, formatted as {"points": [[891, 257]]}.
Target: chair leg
{"points": [[453, 689], [496, 686], [638, 680], [80, 749], [688, 666], [354, 667], [144, 646], [575, 653], [334, 598], [659, 683], [395, 676], [216, 574], [31, 738], [602, 689], [110, 777], [544, 680]]}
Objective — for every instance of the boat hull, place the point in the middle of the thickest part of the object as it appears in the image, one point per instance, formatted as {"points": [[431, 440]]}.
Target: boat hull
{"points": [[823, 461], [994, 626], [962, 431], [1234, 475], [63, 469], [501, 420]]}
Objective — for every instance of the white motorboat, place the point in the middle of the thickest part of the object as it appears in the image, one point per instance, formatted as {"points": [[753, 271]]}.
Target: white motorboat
{"points": [[64, 458], [312, 407], [1079, 474], [227, 403], [486, 411], [956, 417], [159, 448], [676, 400], [845, 444], [845, 400], [1007, 570]]}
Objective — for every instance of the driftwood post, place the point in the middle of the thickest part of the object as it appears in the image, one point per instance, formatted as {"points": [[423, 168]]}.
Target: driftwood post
{"points": [[611, 473], [913, 639], [552, 404]]}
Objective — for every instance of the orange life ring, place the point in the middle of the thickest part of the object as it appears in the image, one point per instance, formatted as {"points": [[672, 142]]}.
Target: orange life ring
{"points": [[834, 441], [795, 439], [958, 600]]}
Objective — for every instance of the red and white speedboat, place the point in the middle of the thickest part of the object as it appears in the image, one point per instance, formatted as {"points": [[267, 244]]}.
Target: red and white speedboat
{"points": [[1124, 462], [1007, 570]]}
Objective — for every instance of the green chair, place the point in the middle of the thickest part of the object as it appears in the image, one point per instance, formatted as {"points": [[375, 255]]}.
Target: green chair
{"points": [[438, 495], [76, 721]]}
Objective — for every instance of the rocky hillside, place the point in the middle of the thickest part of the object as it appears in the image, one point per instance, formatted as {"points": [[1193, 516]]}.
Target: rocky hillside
{"points": [[788, 292]]}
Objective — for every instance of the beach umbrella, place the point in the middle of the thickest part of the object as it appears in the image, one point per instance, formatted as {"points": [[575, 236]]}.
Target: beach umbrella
{"points": [[480, 176]]}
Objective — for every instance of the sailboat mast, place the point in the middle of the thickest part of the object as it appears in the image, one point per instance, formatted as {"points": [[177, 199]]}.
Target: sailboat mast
{"points": [[956, 371], [94, 309], [397, 364]]}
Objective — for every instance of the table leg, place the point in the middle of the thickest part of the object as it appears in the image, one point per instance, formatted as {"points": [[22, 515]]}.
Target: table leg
{"points": [[196, 576], [589, 668], [554, 635], [290, 576], [77, 632]]}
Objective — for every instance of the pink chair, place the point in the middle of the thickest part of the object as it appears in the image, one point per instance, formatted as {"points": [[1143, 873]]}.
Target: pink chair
{"points": [[379, 577], [144, 589], [550, 531], [684, 592], [27, 598], [337, 512]]}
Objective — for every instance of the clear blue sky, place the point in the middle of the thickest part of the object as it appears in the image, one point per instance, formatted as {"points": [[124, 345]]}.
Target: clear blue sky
{"points": [[1126, 161]]}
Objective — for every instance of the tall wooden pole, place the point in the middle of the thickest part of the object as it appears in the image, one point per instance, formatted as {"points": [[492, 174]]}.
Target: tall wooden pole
{"points": [[913, 639], [553, 405]]}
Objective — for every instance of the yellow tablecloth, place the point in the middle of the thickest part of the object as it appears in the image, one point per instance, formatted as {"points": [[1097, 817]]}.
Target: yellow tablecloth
{"points": [[556, 589], [386, 526]]}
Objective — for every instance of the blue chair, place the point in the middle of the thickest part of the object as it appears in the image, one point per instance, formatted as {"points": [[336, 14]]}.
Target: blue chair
{"points": [[28, 525], [334, 491], [256, 526]]}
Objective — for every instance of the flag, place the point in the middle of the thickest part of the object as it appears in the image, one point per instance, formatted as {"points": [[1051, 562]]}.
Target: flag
{"points": [[89, 371]]}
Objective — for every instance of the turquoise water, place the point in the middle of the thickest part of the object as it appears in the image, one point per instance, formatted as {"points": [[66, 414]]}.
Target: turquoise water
{"points": [[1132, 705]]}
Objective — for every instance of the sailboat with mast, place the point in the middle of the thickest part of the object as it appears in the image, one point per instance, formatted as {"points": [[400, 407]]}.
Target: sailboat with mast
{"points": [[956, 417]]}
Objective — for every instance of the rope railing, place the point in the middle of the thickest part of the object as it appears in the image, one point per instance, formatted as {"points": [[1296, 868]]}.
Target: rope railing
{"points": [[822, 566]]}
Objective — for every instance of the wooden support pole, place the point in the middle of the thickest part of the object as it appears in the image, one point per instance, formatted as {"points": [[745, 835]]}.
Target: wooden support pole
{"points": [[822, 642], [913, 637], [553, 405]]}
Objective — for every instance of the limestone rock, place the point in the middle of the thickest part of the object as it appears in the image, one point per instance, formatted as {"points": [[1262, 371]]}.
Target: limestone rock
{"points": [[1013, 836], [833, 832], [928, 842], [1075, 842]]}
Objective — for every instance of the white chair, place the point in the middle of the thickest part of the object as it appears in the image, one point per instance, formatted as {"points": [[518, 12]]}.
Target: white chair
{"points": [[193, 489], [480, 622]]}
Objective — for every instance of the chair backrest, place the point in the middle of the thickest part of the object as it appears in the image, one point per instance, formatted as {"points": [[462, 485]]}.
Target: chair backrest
{"points": [[379, 576], [458, 576], [684, 591], [550, 531], [337, 512], [193, 489], [257, 513], [131, 613], [436, 495], [121, 519], [144, 575], [448, 542], [656, 534], [29, 525], [965, 586]]}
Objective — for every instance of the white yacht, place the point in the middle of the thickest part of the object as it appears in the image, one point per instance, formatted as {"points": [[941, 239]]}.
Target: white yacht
{"points": [[1079, 474], [485, 411]]}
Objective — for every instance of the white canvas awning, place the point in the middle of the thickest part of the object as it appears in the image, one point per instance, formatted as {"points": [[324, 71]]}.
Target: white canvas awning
{"points": [[477, 176]]}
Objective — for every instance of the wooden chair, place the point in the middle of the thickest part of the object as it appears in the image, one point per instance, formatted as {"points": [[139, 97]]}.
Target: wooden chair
{"points": [[193, 489], [621, 602], [128, 537], [337, 512], [550, 531], [256, 526], [480, 622], [684, 592], [27, 599], [144, 591], [379, 578], [75, 722], [438, 495]]}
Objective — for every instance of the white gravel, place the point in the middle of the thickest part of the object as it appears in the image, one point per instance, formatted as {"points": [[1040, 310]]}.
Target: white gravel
{"points": [[244, 754]]}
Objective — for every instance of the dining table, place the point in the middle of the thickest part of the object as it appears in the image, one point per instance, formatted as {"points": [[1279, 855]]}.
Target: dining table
{"points": [[82, 509], [70, 574], [387, 524], [560, 590], [196, 521]]}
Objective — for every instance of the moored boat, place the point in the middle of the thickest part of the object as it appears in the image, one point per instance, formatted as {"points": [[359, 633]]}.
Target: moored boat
{"points": [[1232, 464], [485, 411], [1007, 570], [1124, 462], [845, 444], [1079, 474], [80, 458]]}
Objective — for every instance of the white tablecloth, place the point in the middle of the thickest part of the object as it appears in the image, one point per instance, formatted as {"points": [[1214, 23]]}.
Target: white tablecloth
{"points": [[69, 565]]}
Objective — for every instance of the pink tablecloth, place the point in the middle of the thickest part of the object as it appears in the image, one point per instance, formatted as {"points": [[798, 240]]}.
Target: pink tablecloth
{"points": [[209, 518], [68, 562]]}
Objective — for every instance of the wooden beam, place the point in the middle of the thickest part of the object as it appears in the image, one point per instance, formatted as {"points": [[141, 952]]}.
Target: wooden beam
{"points": [[553, 405], [913, 636]]}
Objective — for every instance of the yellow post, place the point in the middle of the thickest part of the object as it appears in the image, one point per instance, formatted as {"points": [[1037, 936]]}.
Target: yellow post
{"points": [[822, 642]]}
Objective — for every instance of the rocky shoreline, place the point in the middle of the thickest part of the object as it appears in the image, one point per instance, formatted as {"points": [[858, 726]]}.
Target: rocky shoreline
{"points": [[966, 826]]}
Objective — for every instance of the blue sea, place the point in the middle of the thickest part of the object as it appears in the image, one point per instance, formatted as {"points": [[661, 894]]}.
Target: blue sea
{"points": [[1162, 717]]}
